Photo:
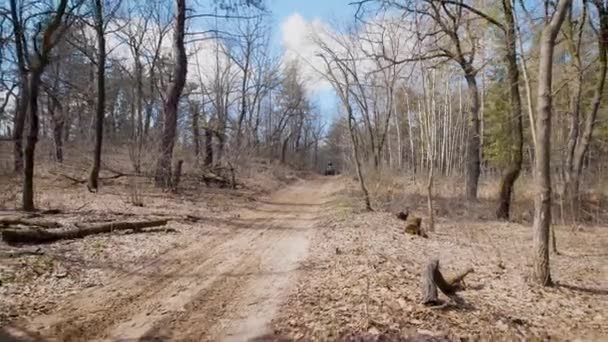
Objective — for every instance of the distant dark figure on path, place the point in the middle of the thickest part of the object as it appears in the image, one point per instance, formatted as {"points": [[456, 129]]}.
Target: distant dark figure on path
{"points": [[329, 170]]}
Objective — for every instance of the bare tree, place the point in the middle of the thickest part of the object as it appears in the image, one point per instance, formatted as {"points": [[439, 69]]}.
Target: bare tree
{"points": [[163, 166], [542, 166], [341, 78], [101, 93], [579, 141], [50, 36], [21, 52], [508, 29]]}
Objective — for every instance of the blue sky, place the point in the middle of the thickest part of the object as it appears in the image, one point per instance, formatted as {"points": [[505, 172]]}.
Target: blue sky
{"points": [[311, 10]]}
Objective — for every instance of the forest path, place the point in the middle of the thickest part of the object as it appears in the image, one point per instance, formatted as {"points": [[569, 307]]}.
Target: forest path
{"points": [[226, 287]]}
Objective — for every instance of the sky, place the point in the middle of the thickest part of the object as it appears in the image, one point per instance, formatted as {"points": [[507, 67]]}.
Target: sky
{"points": [[291, 18]]}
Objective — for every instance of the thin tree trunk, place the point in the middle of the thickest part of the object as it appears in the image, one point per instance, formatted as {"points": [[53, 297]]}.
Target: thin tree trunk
{"points": [[196, 134], [582, 145], [517, 139], [542, 168], [33, 87], [163, 166], [473, 141], [208, 147], [57, 121], [527, 83], [351, 128], [284, 149], [22, 101], [411, 135], [150, 104], [429, 199], [100, 109], [243, 113]]}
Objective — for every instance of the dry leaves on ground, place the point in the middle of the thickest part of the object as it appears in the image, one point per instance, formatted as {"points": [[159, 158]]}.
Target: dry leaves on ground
{"points": [[364, 277]]}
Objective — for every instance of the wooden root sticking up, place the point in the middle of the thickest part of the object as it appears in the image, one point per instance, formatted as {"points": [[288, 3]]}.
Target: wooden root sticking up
{"points": [[433, 279]]}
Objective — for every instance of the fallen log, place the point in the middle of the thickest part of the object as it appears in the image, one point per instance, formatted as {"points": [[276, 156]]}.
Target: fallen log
{"points": [[75, 180], [34, 236], [433, 279], [13, 221], [211, 178]]}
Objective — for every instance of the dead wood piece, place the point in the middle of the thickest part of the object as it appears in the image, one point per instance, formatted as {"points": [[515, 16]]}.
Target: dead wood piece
{"points": [[413, 226], [51, 212], [433, 279], [429, 289], [402, 215], [17, 253], [213, 178], [14, 221], [192, 218], [457, 281], [33, 236], [75, 180]]}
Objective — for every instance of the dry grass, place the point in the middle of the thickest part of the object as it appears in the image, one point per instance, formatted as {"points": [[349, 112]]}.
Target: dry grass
{"points": [[395, 192]]}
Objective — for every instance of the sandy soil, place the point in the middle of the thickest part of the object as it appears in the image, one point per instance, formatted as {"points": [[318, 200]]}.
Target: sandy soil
{"points": [[224, 285]]}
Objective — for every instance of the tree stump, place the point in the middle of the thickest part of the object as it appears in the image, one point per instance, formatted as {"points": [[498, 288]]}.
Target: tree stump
{"points": [[429, 289], [433, 279], [177, 174]]}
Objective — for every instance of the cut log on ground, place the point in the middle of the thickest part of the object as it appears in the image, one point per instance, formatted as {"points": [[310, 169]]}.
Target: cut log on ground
{"points": [[433, 279], [17, 221], [34, 236]]}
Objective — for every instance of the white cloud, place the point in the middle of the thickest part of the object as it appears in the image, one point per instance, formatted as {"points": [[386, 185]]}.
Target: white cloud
{"points": [[299, 46]]}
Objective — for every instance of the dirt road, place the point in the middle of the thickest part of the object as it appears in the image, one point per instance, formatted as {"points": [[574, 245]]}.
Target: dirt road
{"points": [[227, 286]]}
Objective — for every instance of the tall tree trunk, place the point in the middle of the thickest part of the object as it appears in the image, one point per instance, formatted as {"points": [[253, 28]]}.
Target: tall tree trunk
{"points": [[33, 86], [243, 113], [22, 101], [163, 166], [58, 122], [41, 60], [473, 141], [413, 159], [542, 166], [58, 139], [139, 93], [208, 146], [221, 144], [353, 137], [429, 198], [508, 181], [101, 95], [150, 104], [19, 125], [196, 133], [284, 149]]}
